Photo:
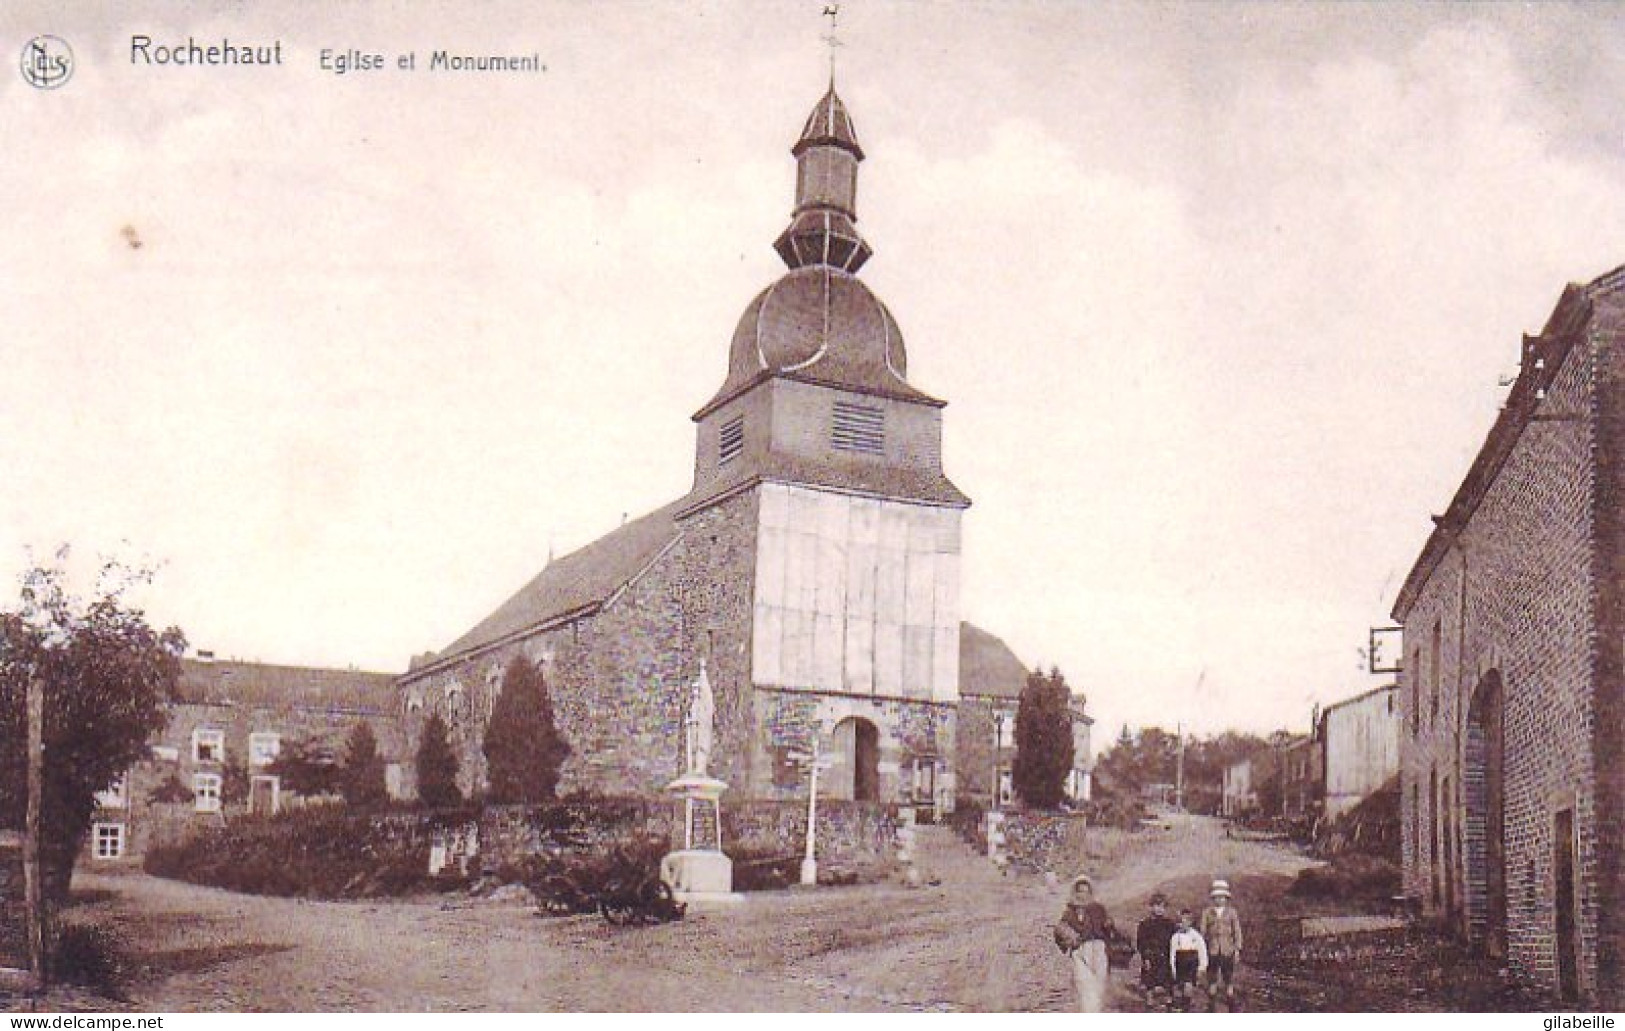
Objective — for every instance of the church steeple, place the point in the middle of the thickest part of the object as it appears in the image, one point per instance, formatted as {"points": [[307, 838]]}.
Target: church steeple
{"points": [[821, 230]]}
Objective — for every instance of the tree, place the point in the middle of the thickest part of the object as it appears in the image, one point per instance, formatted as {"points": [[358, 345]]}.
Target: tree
{"points": [[307, 767], [106, 676], [1043, 740], [524, 750], [437, 766], [362, 781]]}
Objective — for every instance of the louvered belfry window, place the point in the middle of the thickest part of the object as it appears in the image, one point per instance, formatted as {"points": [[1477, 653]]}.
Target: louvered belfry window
{"points": [[858, 427], [731, 440]]}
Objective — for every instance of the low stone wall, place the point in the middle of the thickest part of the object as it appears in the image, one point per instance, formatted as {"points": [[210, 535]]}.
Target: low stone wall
{"points": [[855, 838], [1039, 842]]}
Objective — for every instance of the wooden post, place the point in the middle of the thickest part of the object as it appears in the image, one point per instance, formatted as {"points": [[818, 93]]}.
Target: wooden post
{"points": [[33, 872]]}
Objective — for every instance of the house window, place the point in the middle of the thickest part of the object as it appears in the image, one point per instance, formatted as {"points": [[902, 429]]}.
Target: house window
{"points": [[107, 840], [264, 794], [206, 792], [263, 748], [731, 441], [1004, 728], [208, 746], [1416, 692], [115, 795], [1433, 675], [858, 427]]}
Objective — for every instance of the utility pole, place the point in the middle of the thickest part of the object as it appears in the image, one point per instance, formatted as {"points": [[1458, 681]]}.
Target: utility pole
{"points": [[33, 873], [1179, 769]]}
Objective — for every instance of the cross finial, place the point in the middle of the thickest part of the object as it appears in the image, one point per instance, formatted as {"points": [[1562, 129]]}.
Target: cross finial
{"points": [[833, 13]]}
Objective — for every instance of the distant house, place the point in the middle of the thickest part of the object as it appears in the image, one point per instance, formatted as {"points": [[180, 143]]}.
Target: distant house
{"points": [[990, 683], [1248, 786], [1361, 737], [1302, 778], [232, 719]]}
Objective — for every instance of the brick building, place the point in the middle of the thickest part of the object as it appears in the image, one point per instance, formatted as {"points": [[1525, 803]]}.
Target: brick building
{"points": [[813, 566], [1511, 696], [1361, 737], [236, 716]]}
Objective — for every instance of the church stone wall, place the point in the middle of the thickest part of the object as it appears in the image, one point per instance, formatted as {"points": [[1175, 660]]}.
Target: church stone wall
{"points": [[910, 732], [856, 595], [712, 578]]}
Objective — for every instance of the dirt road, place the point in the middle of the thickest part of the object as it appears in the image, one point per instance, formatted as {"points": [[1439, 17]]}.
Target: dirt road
{"points": [[975, 940]]}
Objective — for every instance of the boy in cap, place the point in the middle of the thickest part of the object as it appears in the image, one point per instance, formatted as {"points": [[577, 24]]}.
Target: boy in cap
{"points": [[1151, 942], [1221, 930]]}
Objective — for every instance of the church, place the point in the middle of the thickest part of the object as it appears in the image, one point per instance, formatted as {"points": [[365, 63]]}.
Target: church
{"points": [[812, 571]]}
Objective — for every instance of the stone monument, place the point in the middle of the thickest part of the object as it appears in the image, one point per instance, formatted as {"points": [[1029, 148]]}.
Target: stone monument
{"points": [[699, 872]]}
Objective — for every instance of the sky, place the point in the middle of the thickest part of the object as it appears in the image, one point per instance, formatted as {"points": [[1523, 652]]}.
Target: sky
{"points": [[1221, 298]]}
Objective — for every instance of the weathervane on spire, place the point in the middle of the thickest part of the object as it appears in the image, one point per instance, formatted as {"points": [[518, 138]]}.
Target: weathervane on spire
{"points": [[833, 13]]}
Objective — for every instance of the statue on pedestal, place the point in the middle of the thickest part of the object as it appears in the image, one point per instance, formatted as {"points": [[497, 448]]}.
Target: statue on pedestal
{"points": [[698, 871], [699, 728]]}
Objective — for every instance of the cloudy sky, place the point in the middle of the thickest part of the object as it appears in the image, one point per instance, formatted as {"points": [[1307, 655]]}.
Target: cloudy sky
{"points": [[1220, 298]]}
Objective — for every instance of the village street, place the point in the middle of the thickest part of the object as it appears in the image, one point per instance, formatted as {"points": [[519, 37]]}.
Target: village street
{"points": [[978, 940]]}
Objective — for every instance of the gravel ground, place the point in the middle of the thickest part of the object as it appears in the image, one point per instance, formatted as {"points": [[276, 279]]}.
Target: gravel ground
{"points": [[974, 940]]}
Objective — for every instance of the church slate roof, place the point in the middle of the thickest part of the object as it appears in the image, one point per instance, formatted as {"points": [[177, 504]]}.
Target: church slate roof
{"points": [[987, 666], [580, 581], [821, 325], [260, 685], [848, 475], [829, 124]]}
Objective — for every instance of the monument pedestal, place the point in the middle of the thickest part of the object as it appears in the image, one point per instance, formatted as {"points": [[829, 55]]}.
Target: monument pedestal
{"points": [[699, 872]]}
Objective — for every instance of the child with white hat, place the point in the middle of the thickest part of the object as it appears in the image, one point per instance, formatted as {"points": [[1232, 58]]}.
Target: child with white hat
{"points": [[1221, 930]]}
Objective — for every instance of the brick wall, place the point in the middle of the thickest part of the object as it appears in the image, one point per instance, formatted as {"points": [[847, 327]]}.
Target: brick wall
{"points": [[1513, 595]]}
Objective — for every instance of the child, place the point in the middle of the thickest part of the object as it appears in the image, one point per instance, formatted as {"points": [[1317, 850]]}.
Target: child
{"points": [[1221, 929], [1082, 933], [1187, 959], [1151, 942]]}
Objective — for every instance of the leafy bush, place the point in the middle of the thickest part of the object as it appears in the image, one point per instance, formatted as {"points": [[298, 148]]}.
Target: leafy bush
{"points": [[1349, 876], [87, 956], [314, 852]]}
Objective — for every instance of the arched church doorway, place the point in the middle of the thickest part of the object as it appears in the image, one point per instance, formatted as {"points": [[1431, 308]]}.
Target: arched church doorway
{"points": [[1484, 792], [855, 775]]}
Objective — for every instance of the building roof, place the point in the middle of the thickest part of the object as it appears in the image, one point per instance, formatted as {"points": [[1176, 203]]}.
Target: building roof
{"points": [[820, 325], [987, 666], [1355, 700], [1542, 357], [576, 584], [270, 686], [829, 125]]}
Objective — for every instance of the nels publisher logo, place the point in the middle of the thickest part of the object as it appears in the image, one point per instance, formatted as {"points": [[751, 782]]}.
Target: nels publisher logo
{"points": [[47, 62]]}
